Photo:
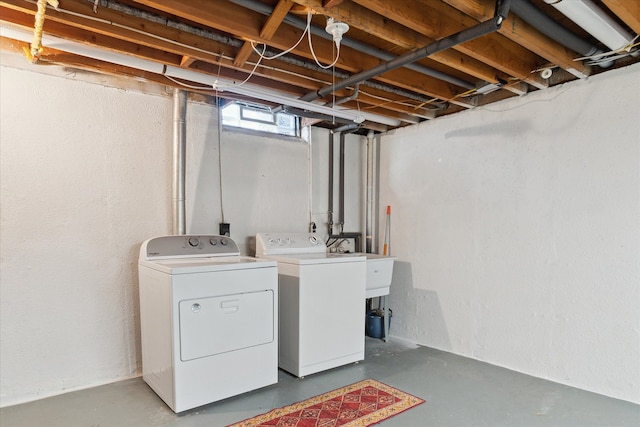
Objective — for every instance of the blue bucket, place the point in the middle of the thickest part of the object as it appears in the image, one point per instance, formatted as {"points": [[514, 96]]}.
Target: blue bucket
{"points": [[375, 324]]}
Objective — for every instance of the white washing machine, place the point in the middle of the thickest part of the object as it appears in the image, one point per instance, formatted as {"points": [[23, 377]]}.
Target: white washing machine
{"points": [[208, 319], [321, 302]]}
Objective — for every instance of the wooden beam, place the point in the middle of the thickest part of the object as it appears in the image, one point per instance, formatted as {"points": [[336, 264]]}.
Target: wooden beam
{"points": [[268, 30], [136, 33], [525, 35], [295, 75], [89, 38], [186, 61], [51, 56], [331, 3], [437, 20], [243, 54], [380, 26], [276, 18], [627, 10], [224, 17]]}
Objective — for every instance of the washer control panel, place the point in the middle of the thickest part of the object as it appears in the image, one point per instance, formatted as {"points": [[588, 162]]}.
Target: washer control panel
{"points": [[188, 246], [289, 243]]}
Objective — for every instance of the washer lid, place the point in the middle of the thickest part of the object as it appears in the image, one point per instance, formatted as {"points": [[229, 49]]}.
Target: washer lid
{"points": [[206, 264], [323, 258], [289, 243]]}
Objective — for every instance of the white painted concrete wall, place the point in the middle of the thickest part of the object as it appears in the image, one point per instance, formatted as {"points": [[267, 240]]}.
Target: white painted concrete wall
{"points": [[265, 181], [85, 178], [518, 233]]}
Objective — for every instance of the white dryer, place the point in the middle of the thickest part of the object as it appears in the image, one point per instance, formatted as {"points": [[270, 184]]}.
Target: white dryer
{"points": [[208, 319], [321, 304]]}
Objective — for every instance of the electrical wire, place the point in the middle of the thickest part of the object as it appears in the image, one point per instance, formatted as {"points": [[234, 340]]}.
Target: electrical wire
{"points": [[254, 67], [288, 50], [220, 148], [600, 55], [315, 58], [188, 86], [225, 57]]}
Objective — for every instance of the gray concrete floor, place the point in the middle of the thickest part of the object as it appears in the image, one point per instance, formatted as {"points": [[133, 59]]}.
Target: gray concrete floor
{"points": [[458, 392]]}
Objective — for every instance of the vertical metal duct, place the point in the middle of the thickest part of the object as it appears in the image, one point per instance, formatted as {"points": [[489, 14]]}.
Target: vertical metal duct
{"points": [[179, 160], [371, 198]]}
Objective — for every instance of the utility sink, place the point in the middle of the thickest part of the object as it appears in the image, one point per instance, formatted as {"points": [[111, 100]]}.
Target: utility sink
{"points": [[379, 272]]}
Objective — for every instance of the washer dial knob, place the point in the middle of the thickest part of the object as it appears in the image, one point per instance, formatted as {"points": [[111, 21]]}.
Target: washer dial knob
{"points": [[194, 242]]}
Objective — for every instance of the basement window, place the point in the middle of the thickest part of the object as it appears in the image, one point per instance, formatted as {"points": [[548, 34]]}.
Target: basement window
{"points": [[259, 117]]}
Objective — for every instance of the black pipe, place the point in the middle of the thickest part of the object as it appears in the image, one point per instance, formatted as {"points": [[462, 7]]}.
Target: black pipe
{"points": [[301, 24], [483, 28], [341, 184], [330, 212], [357, 239], [543, 23]]}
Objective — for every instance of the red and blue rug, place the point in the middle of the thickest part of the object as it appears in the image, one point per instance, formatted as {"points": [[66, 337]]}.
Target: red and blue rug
{"points": [[357, 405]]}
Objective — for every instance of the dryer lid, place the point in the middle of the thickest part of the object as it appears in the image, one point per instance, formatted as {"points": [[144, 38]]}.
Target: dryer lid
{"points": [[188, 246]]}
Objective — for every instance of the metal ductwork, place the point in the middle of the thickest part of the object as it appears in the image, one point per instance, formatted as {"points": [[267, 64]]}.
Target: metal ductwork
{"points": [[179, 160]]}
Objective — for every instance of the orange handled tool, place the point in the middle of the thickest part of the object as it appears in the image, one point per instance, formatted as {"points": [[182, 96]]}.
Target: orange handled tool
{"points": [[387, 234]]}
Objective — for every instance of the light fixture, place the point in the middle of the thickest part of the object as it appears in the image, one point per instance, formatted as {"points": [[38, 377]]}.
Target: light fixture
{"points": [[595, 21], [336, 29]]}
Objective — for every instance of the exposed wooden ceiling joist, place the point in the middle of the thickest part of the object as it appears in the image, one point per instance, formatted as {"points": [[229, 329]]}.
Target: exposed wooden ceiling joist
{"points": [[213, 38]]}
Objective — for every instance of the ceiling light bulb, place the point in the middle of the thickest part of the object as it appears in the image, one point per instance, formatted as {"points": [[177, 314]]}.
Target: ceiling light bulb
{"points": [[336, 29]]}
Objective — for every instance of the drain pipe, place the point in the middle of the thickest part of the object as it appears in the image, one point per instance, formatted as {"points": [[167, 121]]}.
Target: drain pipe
{"points": [[179, 160], [330, 211], [371, 208], [482, 29], [344, 130], [543, 23], [341, 185], [341, 130], [345, 99]]}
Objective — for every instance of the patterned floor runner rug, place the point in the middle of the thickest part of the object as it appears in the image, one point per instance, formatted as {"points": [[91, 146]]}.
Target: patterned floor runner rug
{"points": [[357, 405]]}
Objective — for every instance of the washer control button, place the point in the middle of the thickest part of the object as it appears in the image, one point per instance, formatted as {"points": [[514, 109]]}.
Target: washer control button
{"points": [[195, 307], [213, 242], [223, 242], [194, 242]]}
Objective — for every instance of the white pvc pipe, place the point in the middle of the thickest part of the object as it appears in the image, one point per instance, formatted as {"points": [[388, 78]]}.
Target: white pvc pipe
{"points": [[16, 33]]}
